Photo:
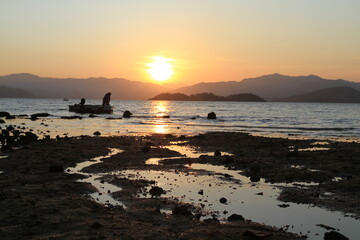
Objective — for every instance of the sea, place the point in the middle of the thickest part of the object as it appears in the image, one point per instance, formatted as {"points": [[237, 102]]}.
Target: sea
{"points": [[274, 119]]}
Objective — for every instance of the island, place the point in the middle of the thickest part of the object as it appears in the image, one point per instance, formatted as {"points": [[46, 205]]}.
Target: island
{"points": [[241, 97]]}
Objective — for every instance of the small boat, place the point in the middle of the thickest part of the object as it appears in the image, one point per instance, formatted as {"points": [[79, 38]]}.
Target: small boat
{"points": [[96, 109]]}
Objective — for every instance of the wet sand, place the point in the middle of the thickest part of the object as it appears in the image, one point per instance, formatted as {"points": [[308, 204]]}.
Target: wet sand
{"points": [[41, 200]]}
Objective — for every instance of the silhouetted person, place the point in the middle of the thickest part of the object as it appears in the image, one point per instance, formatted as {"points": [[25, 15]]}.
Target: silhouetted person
{"points": [[82, 102], [106, 99]]}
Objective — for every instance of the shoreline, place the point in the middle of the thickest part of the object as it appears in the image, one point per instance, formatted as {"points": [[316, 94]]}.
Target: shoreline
{"points": [[257, 157]]}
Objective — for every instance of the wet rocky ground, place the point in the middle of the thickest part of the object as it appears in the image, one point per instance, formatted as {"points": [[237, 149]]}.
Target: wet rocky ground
{"points": [[39, 200]]}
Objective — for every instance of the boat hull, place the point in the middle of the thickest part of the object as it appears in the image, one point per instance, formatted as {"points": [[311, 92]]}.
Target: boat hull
{"points": [[96, 109]]}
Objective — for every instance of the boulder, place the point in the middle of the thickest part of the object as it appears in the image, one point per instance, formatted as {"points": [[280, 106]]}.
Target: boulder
{"points": [[4, 114], [97, 133], [211, 115], [236, 217], [223, 200], [2, 121], [71, 117], [217, 153], [156, 191], [333, 235], [127, 114], [182, 210], [33, 118], [40, 115]]}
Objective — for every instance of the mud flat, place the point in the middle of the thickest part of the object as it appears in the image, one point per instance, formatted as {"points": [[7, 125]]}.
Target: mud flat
{"points": [[107, 187]]}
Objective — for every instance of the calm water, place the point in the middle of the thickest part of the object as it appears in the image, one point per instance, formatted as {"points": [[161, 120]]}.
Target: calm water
{"points": [[306, 119]]}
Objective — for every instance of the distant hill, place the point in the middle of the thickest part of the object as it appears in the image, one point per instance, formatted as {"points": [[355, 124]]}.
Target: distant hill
{"points": [[81, 87], [269, 87], [328, 95], [6, 92], [242, 97]]}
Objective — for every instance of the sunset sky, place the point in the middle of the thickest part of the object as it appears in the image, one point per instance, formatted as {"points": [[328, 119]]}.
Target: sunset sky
{"points": [[200, 40]]}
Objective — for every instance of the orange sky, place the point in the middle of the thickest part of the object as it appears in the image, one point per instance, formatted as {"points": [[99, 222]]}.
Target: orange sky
{"points": [[208, 40]]}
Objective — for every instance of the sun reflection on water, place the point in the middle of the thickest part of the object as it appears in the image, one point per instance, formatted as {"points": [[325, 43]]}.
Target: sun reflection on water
{"points": [[160, 129], [160, 110]]}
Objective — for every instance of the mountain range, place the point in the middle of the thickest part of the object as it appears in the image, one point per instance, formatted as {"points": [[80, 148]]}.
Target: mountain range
{"points": [[93, 88], [328, 95], [269, 87], [7, 92]]}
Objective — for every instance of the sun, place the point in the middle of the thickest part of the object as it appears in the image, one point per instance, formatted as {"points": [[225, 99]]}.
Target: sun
{"points": [[160, 69]]}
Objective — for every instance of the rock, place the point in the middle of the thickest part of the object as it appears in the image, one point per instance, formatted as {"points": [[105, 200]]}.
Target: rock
{"points": [[2, 121], [236, 217], [211, 115], [201, 192], [97, 133], [223, 200], [4, 114], [127, 114], [211, 220], [92, 115], [217, 153], [112, 118], [40, 115], [11, 117], [182, 210], [31, 136], [56, 168], [33, 118], [254, 178], [10, 128], [284, 205], [333, 235], [71, 117], [156, 191]]}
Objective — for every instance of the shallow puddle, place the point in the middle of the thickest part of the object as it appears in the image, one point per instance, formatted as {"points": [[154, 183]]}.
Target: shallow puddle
{"points": [[104, 189], [255, 201], [185, 151]]}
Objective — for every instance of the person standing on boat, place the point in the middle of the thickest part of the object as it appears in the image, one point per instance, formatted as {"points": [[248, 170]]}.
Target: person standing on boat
{"points": [[106, 99], [82, 102]]}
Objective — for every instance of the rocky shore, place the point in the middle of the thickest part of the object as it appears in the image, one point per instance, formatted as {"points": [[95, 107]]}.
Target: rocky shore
{"points": [[40, 200]]}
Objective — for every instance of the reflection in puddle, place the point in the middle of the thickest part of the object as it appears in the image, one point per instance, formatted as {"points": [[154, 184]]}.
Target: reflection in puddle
{"points": [[303, 167], [255, 201], [185, 151], [320, 143], [104, 189], [309, 149]]}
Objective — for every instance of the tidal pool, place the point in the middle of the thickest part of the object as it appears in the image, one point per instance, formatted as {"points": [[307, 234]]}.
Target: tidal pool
{"points": [[103, 195], [206, 184]]}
